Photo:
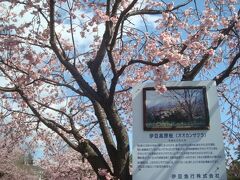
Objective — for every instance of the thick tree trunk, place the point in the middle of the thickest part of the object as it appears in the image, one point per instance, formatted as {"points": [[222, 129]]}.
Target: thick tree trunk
{"points": [[94, 157], [121, 164], [125, 174]]}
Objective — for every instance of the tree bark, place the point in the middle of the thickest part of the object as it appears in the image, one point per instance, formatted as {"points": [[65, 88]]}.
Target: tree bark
{"points": [[121, 166]]}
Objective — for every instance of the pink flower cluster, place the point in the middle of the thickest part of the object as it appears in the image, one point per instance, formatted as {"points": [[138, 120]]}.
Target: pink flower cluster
{"points": [[161, 75], [105, 173]]}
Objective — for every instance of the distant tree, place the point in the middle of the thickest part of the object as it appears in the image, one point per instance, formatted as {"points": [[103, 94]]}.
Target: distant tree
{"points": [[189, 102], [29, 159], [12, 164], [62, 163]]}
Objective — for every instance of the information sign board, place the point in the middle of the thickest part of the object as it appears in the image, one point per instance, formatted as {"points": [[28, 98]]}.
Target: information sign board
{"points": [[177, 134]]}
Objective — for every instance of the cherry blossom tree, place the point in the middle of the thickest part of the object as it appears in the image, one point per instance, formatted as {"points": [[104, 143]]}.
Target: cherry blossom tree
{"points": [[62, 162], [12, 162], [67, 67]]}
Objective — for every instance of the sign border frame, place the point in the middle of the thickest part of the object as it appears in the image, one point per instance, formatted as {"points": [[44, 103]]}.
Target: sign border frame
{"points": [[145, 89]]}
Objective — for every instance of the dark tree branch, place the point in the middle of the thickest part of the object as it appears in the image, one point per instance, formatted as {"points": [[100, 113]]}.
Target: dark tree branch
{"points": [[155, 12], [95, 65], [120, 72], [123, 16], [189, 76], [53, 109], [37, 8], [22, 39], [108, 8], [72, 36], [50, 81], [224, 74], [85, 147], [115, 7], [123, 152], [229, 102], [50, 124], [87, 89], [107, 135], [119, 22], [112, 63], [7, 89]]}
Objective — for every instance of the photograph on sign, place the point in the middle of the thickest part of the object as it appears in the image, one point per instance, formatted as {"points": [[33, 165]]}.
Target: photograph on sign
{"points": [[178, 108]]}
